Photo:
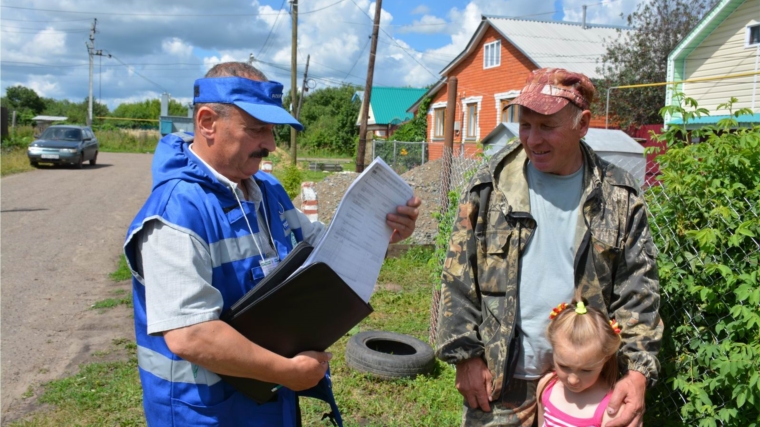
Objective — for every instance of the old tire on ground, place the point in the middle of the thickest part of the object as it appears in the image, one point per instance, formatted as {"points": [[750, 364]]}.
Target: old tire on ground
{"points": [[388, 355]]}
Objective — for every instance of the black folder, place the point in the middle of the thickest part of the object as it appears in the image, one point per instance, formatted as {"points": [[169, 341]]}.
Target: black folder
{"points": [[288, 315]]}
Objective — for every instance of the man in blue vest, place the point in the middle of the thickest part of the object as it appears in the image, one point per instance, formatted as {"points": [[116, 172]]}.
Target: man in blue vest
{"points": [[211, 229]]}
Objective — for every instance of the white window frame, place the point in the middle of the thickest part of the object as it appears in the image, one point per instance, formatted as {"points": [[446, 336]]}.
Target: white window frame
{"points": [[431, 113], [498, 97], [466, 126], [748, 33], [495, 48]]}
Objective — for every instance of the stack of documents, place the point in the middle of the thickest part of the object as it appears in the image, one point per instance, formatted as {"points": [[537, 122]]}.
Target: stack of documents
{"points": [[316, 295]]}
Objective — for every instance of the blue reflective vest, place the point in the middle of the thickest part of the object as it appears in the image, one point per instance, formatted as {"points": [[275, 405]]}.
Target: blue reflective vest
{"points": [[186, 196]]}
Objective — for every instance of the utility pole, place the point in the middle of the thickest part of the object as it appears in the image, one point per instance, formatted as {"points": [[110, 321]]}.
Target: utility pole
{"points": [[303, 88], [293, 73], [448, 142], [91, 52], [360, 150]]}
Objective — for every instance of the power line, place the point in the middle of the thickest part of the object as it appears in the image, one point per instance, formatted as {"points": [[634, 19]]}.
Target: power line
{"points": [[8, 30], [41, 29], [394, 41], [225, 15], [135, 71], [271, 30], [357, 59], [32, 20]]}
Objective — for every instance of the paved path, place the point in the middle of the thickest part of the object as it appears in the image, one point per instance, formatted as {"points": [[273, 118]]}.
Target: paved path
{"points": [[62, 232]]}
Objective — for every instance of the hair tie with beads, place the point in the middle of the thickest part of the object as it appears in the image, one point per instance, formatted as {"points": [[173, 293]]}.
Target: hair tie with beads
{"points": [[615, 326], [557, 310]]}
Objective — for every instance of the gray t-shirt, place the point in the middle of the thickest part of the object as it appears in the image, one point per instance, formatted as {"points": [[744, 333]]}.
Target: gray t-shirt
{"points": [[546, 266]]}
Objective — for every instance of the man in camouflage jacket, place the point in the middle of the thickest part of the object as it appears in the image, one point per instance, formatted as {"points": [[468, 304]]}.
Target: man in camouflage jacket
{"points": [[614, 265]]}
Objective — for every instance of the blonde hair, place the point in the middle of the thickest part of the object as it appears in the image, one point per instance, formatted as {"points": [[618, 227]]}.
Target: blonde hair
{"points": [[585, 329]]}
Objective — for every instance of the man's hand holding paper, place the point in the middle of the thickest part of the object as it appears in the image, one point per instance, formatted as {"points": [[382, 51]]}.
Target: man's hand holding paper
{"points": [[404, 220]]}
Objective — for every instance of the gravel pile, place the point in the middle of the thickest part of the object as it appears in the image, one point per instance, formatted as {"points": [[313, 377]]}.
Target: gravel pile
{"points": [[425, 180]]}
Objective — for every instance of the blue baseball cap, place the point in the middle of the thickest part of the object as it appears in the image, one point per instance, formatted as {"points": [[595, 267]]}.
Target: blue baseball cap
{"points": [[261, 100]]}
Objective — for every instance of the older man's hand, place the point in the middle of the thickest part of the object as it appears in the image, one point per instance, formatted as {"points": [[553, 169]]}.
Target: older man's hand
{"points": [[474, 382], [630, 390], [404, 220]]}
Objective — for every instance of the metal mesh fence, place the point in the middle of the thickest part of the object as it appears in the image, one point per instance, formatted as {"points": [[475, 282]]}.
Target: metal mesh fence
{"points": [[401, 156], [687, 326]]}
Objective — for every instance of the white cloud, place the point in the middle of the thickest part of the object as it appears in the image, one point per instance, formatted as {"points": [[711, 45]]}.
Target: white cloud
{"points": [[335, 37], [209, 62], [428, 24], [175, 46], [47, 40], [44, 85], [420, 10]]}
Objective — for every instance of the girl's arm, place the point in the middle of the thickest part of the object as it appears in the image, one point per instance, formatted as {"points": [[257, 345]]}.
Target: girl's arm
{"points": [[539, 391]]}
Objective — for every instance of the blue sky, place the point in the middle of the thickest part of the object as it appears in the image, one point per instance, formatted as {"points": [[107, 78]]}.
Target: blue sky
{"points": [[165, 46]]}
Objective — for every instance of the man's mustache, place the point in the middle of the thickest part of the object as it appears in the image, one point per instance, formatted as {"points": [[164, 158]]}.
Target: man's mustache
{"points": [[260, 154]]}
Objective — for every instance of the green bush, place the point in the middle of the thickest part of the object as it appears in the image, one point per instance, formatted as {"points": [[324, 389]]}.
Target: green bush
{"points": [[706, 222], [21, 136], [292, 181]]}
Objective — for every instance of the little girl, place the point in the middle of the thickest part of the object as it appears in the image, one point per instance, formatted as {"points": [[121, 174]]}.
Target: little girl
{"points": [[585, 345]]}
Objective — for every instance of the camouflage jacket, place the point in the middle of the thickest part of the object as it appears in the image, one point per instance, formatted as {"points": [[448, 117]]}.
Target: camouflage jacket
{"points": [[614, 264]]}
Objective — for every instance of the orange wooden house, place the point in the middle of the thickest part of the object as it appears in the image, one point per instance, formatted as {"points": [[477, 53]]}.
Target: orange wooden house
{"points": [[492, 70]]}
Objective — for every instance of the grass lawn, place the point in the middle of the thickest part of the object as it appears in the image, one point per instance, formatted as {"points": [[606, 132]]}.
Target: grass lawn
{"points": [[14, 160], [109, 393]]}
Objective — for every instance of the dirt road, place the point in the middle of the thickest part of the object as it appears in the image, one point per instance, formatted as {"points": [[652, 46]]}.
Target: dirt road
{"points": [[62, 232]]}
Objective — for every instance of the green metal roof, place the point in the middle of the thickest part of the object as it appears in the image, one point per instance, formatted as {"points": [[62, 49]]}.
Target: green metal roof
{"points": [[389, 104], [711, 120]]}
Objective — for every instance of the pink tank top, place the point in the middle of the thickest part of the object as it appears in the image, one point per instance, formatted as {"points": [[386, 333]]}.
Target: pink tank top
{"points": [[553, 417]]}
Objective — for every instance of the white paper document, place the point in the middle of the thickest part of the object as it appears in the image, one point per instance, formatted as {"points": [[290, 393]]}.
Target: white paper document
{"points": [[355, 243]]}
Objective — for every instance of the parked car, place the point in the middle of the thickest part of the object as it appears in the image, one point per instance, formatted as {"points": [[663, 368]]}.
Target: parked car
{"points": [[64, 144]]}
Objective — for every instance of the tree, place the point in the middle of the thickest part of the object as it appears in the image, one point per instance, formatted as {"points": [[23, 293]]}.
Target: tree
{"points": [[148, 109], [24, 97], [641, 55], [25, 101], [75, 113], [414, 130], [329, 119]]}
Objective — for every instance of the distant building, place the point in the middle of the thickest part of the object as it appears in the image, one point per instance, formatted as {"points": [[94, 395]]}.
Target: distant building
{"points": [[725, 42], [42, 122], [169, 124], [388, 108], [492, 70]]}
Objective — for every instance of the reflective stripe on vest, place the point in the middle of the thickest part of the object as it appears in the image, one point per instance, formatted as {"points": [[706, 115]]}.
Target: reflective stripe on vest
{"points": [[178, 371]]}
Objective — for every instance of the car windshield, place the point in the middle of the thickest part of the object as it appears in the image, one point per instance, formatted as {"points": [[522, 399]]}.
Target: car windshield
{"points": [[62, 134]]}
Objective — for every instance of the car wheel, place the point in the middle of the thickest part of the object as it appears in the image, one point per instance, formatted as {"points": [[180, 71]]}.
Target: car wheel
{"points": [[388, 355], [94, 159], [80, 161]]}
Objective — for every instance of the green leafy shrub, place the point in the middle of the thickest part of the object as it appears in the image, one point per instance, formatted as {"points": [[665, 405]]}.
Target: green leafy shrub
{"points": [[20, 137], [292, 181], [706, 222]]}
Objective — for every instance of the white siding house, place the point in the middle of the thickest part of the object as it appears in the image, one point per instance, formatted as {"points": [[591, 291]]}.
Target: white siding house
{"points": [[725, 43]]}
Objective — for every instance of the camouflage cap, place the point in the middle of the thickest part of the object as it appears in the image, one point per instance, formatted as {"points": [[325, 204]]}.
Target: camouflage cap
{"points": [[549, 90]]}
